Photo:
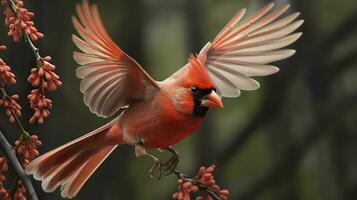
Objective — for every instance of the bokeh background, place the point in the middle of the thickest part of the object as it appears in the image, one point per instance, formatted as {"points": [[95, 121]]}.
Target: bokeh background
{"points": [[294, 139]]}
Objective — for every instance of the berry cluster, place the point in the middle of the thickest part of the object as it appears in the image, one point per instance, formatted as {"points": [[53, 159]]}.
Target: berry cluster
{"points": [[4, 194], [204, 181], [20, 193], [184, 190], [44, 79], [20, 21], [43, 76], [40, 104], [6, 76], [12, 108], [26, 149]]}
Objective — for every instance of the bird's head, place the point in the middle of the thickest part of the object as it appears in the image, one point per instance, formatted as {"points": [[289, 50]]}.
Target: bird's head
{"points": [[198, 91]]}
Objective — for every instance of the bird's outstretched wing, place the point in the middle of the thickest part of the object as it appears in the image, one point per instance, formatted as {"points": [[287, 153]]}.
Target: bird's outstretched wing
{"points": [[110, 78], [245, 47]]}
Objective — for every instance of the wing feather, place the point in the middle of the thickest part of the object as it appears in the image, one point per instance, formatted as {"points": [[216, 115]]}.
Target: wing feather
{"points": [[238, 27], [240, 81], [266, 45], [278, 24], [246, 30], [228, 88], [248, 69], [84, 71], [278, 33], [245, 47], [263, 57], [110, 78], [87, 48]]}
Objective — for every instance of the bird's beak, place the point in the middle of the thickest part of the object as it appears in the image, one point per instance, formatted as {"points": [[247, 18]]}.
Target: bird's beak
{"points": [[212, 100]]}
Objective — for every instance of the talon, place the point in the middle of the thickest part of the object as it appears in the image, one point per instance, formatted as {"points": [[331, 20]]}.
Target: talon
{"points": [[169, 166], [172, 163], [140, 151], [156, 166]]}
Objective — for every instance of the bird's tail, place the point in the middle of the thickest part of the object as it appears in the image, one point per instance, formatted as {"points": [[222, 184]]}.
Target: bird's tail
{"points": [[71, 164]]}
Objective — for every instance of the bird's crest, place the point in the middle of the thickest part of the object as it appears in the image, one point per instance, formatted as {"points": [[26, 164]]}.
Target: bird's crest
{"points": [[198, 74]]}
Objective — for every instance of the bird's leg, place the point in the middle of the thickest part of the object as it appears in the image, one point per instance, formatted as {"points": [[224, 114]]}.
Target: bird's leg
{"points": [[140, 151], [156, 166], [171, 164]]}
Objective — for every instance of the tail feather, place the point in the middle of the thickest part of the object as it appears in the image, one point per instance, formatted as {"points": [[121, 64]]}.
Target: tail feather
{"points": [[70, 165], [50, 161], [51, 182], [83, 174]]}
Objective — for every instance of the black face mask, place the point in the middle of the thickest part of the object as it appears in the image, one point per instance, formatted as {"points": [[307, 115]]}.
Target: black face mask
{"points": [[198, 94]]}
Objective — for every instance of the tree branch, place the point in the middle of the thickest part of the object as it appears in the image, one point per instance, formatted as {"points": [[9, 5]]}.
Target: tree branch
{"points": [[26, 180]]}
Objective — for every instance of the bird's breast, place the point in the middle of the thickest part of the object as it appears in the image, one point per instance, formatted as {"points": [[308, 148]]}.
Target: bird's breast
{"points": [[157, 123]]}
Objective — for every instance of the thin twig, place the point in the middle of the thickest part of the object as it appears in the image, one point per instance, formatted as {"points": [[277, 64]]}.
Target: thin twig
{"points": [[35, 50], [26, 180]]}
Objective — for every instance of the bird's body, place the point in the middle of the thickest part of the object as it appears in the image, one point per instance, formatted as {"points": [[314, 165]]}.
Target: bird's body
{"points": [[159, 114], [156, 121], [160, 120]]}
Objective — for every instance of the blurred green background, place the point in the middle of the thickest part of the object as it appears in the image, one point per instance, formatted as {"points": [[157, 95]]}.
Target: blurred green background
{"points": [[294, 139]]}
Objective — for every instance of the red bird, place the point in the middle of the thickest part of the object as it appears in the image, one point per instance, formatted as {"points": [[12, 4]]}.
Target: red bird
{"points": [[159, 114]]}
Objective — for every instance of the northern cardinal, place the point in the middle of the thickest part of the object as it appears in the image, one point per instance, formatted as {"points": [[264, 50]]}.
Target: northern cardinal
{"points": [[159, 114]]}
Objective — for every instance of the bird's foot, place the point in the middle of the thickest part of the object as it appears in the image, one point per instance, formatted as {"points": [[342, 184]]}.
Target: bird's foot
{"points": [[156, 167], [171, 164], [156, 170]]}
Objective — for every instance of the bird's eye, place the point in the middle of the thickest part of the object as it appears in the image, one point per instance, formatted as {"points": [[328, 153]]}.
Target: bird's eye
{"points": [[194, 89]]}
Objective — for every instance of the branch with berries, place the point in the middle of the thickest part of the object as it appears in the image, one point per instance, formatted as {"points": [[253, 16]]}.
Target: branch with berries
{"points": [[25, 148], [203, 182], [43, 78]]}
